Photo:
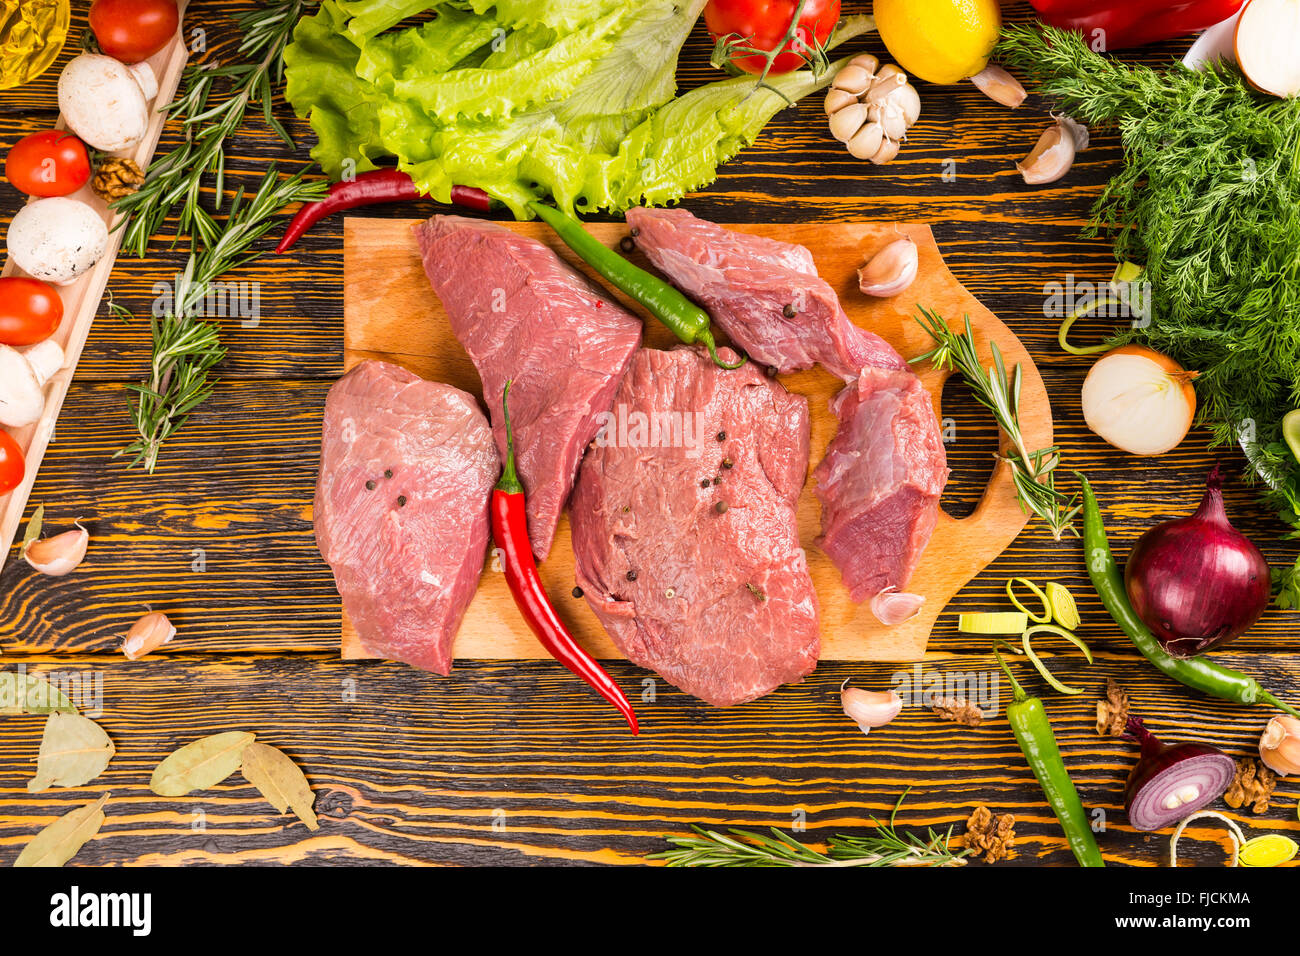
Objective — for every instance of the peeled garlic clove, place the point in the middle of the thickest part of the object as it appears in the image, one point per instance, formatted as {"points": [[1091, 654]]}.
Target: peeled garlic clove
{"points": [[906, 99], [868, 62], [869, 708], [848, 121], [1000, 86], [891, 270], [836, 100], [1052, 158], [852, 79], [892, 606], [866, 142], [147, 635], [1139, 400], [60, 554], [1279, 746]]}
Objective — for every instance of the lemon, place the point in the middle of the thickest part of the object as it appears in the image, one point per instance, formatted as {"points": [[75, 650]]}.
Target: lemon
{"points": [[943, 41]]}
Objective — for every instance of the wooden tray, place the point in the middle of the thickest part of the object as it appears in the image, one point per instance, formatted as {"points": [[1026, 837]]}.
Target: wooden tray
{"points": [[81, 298], [391, 312]]}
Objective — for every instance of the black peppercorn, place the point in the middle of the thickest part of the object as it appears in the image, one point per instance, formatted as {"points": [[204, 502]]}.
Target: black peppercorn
{"points": [[388, 473], [722, 436], [577, 592], [704, 483], [631, 575], [401, 501], [626, 244], [789, 311], [727, 463], [722, 507], [370, 486]]}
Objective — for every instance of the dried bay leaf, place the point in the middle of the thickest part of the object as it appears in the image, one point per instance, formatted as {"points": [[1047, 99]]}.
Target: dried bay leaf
{"points": [[23, 693], [280, 780], [199, 765], [59, 842], [74, 750]]}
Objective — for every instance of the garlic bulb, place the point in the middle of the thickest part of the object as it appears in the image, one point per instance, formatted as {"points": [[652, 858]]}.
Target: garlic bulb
{"points": [[891, 270], [1139, 400], [1279, 746], [868, 708], [870, 108]]}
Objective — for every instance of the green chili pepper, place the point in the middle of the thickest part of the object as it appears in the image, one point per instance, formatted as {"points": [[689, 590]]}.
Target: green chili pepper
{"points": [[684, 318], [1196, 672], [1033, 733]]}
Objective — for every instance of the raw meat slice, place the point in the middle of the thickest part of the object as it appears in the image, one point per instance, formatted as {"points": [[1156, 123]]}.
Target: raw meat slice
{"points": [[704, 583], [765, 294], [407, 551], [525, 316], [880, 481]]}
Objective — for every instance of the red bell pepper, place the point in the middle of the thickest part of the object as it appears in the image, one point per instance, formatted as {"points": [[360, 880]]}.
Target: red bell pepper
{"points": [[1119, 24]]}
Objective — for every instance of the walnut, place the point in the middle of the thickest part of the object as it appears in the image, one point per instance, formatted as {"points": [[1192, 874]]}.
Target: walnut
{"points": [[959, 709], [990, 834], [116, 178], [1253, 784], [1112, 712]]}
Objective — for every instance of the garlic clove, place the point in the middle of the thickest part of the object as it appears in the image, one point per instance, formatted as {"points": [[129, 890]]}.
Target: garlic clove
{"points": [[147, 635], [869, 709], [1279, 745], [1051, 158], [887, 152], [908, 100], [836, 100], [884, 85], [888, 72], [893, 607], [1000, 86], [866, 142], [891, 118], [60, 554], [868, 62], [848, 121], [852, 79], [891, 270], [1082, 138]]}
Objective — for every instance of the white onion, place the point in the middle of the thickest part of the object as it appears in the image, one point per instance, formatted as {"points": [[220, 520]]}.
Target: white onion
{"points": [[1139, 400]]}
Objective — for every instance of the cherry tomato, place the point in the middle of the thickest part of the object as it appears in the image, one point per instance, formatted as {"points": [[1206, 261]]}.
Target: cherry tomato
{"points": [[133, 30], [52, 162], [12, 465], [30, 310], [761, 24]]}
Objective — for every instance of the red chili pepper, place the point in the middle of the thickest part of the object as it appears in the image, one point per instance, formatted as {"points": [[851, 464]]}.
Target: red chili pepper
{"points": [[510, 532], [1119, 24], [368, 189]]}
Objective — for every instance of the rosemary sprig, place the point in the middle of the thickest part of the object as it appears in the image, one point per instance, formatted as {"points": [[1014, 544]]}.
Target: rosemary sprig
{"points": [[185, 348], [886, 847], [1033, 472], [733, 46], [177, 178]]}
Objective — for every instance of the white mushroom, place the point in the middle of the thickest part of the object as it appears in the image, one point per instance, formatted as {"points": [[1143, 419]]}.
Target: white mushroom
{"points": [[57, 239], [105, 102], [22, 381]]}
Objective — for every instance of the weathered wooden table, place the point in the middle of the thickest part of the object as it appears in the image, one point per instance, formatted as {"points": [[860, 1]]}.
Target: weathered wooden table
{"points": [[520, 763]]}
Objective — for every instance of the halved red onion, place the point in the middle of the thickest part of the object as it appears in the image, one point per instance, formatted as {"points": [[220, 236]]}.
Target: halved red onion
{"points": [[1170, 783]]}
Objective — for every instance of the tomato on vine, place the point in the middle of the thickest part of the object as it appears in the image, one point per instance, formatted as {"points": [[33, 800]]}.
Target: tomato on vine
{"points": [[749, 31]]}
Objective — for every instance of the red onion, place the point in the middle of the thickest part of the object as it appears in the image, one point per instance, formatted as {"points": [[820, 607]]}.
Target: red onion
{"points": [[1197, 582], [1169, 783]]}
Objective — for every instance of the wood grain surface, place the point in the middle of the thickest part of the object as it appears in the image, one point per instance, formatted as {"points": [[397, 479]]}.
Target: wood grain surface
{"points": [[517, 762], [390, 312]]}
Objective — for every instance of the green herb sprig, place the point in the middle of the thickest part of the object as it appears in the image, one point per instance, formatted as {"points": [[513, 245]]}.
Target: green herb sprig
{"points": [[1208, 201], [187, 349], [177, 179], [1033, 472], [885, 847]]}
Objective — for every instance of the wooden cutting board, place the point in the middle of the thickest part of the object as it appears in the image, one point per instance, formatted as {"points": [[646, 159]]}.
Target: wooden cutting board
{"points": [[391, 313]]}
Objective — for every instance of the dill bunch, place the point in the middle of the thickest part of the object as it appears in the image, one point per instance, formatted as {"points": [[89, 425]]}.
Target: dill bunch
{"points": [[1208, 202]]}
